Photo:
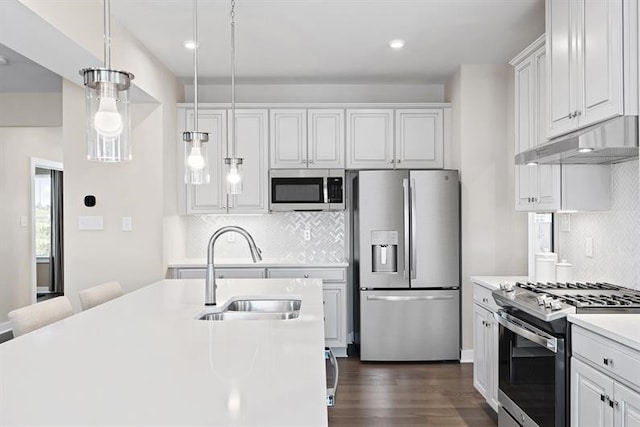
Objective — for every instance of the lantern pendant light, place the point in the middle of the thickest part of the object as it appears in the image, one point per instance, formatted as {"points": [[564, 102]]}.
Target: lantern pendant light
{"points": [[195, 148], [107, 101], [233, 163]]}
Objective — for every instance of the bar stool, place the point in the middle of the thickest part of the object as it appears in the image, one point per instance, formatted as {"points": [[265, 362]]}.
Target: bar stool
{"points": [[100, 294], [32, 317]]}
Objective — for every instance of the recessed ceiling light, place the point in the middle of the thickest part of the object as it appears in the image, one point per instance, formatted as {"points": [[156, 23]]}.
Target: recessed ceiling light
{"points": [[396, 44], [585, 150], [3, 60], [190, 44]]}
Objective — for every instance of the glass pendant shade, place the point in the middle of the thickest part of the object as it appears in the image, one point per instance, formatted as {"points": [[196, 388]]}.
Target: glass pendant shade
{"points": [[108, 121], [196, 163], [234, 175]]}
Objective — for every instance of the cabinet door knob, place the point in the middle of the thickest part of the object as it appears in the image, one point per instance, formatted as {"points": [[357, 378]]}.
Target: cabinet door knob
{"points": [[306, 276], [570, 115], [310, 162], [608, 361], [397, 161], [578, 113], [391, 161], [220, 276]]}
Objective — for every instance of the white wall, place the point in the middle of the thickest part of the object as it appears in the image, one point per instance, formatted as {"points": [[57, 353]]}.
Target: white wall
{"points": [[17, 146], [494, 235], [31, 109], [318, 93]]}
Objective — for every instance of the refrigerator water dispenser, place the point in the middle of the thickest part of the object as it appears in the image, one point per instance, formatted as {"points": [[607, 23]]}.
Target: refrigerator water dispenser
{"points": [[384, 251]]}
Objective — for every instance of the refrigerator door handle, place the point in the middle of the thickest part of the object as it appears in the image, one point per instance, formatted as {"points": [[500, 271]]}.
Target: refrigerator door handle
{"points": [[413, 217], [408, 298], [405, 187]]}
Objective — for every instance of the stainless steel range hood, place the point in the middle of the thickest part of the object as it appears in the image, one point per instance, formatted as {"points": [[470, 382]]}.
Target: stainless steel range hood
{"points": [[613, 141]]}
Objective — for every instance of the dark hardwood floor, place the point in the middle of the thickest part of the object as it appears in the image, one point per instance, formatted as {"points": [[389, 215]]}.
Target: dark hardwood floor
{"points": [[408, 394]]}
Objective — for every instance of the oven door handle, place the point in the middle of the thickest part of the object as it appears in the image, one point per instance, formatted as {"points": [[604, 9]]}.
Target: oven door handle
{"points": [[527, 331]]}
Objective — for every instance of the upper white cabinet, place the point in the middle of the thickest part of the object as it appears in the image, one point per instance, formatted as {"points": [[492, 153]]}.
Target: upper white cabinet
{"points": [[419, 138], [211, 197], [302, 138], [592, 66], [537, 187], [325, 129], [251, 143], [393, 139], [370, 139]]}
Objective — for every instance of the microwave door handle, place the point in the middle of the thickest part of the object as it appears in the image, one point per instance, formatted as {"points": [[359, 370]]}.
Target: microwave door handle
{"points": [[509, 322]]}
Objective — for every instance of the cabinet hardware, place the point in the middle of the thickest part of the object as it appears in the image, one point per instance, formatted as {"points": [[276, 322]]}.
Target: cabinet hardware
{"points": [[578, 113], [610, 402], [397, 161], [391, 161], [484, 323], [615, 403], [602, 397], [306, 276], [220, 276], [310, 162], [608, 361], [570, 115], [485, 300]]}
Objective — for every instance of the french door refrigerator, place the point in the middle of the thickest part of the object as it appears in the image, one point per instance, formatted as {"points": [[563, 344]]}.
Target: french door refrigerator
{"points": [[407, 258]]}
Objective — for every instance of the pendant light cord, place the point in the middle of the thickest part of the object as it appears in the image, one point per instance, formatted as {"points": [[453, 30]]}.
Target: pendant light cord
{"points": [[195, 63], [107, 34], [233, 79]]}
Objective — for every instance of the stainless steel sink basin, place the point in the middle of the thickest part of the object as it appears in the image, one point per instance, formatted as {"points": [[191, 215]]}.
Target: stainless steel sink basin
{"points": [[255, 309]]}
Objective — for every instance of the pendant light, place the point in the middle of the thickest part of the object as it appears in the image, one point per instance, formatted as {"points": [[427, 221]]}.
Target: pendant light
{"points": [[107, 101], [195, 148], [233, 163]]}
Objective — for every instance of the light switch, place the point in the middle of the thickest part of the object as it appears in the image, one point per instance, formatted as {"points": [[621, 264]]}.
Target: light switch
{"points": [[24, 221], [88, 223], [588, 250], [127, 223], [565, 223], [307, 234]]}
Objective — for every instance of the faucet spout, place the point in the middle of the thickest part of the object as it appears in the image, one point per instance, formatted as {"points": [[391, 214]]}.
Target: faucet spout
{"points": [[210, 283]]}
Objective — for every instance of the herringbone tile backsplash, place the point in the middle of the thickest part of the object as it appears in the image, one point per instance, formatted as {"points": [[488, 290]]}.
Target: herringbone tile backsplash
{"points": [[616, 234], [279, 235]]}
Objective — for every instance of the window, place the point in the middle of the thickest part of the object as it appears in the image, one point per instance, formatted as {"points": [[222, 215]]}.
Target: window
{"points": [[43, 214]]}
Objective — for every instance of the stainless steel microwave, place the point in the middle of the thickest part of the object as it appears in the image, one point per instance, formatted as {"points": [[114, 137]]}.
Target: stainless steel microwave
{"points": [[306, 190]]}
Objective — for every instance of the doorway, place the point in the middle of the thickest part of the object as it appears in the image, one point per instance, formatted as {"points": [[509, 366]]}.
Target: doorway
{"points": [[47, 229]]}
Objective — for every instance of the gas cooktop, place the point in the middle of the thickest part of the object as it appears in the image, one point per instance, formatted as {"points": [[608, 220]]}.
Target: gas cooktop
{"points": [[551, 301]]}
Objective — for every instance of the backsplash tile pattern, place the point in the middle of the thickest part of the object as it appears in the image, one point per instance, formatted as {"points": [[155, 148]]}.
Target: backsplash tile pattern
{"points": [[279, 235], [616, 234]]}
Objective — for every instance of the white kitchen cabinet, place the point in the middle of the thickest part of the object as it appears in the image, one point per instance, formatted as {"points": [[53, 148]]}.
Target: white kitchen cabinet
{"points": [[604, 381], [252, 146], [370, 139], [335, 300], [288, 142], [210, 197], [221, 273], [302, 138], [485, 345], [419, 142], [537, 186], [592, 66], [325, 146]]}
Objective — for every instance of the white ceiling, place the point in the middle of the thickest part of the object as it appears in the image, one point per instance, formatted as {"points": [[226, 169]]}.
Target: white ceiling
{"points": [[333, 41], [21, 74]]}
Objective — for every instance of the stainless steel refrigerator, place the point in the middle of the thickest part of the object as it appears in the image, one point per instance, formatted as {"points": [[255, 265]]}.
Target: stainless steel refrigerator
{"points": [[407, 259]]}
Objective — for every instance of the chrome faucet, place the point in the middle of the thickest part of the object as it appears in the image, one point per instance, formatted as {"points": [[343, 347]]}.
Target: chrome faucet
{"points": [[256, 254]]}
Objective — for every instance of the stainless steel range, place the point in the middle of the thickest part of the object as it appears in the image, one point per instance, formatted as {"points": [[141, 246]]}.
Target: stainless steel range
{"points": [[533, 348]]}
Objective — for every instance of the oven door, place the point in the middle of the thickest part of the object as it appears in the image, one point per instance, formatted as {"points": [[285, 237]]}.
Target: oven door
{"points": [[531, 373]]}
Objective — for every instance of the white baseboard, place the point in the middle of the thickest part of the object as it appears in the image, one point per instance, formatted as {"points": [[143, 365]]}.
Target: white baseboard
{"points": [[466, 356], [5, 327]]}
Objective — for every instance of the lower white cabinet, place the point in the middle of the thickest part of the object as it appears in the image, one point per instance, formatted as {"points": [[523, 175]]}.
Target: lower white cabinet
{"points": [[334, 290], [599, 370], [485, 345], [221, 273]]}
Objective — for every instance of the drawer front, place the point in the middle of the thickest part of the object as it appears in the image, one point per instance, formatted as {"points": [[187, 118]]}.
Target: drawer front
{"points": [[327, 275], [609, 356], [240, 273], [191, 273], [482, 296]]}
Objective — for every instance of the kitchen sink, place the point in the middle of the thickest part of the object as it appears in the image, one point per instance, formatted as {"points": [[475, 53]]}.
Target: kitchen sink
{"points": [[254, 309]]}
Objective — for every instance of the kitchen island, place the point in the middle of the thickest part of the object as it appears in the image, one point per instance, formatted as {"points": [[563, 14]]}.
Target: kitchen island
{"points": [[144, 359]]}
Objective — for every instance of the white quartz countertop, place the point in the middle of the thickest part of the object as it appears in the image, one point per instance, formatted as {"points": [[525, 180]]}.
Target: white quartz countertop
{"points": [[247, 262], [143, 359], [493, 282], [622, 328]]}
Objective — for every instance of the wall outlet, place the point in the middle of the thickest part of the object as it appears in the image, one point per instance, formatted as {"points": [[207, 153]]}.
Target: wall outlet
{"points": [[24, 221], [127, 223], [307, 235], [231, 237], [565, 223], [588, 249]]}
